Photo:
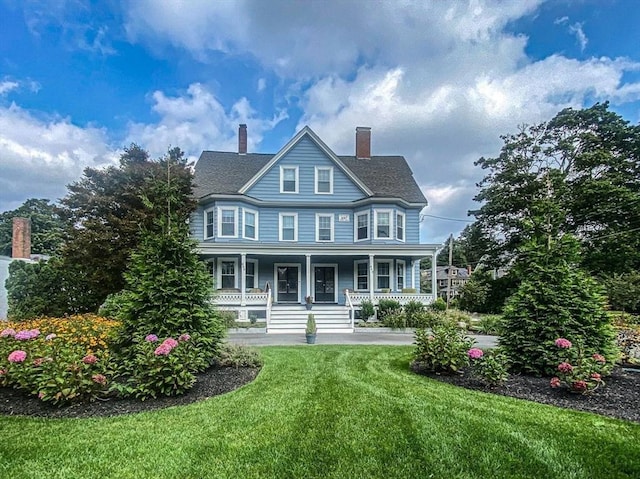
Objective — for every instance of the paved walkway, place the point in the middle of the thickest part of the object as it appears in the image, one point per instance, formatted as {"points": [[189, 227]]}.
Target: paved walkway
{"points": [[392, 338]]}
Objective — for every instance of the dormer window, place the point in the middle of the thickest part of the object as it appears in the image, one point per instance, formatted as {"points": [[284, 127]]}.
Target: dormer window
{"points": [[288, 179], [324, 180]]}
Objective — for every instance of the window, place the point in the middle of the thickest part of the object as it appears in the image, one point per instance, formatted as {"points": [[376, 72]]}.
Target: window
{"points": [[400, 275], [250, 224], [208, 224], [362, 226], [362, 275], [288, 179], [288, 227], [227, 278], [324, 227], [227, 222], [399, 226], [251, 274], [383, 275], [383, 224], [324, 180]]}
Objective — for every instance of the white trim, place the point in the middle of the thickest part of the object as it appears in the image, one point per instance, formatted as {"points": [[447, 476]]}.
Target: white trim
{"points": [[294, 141], [404, 226], [297, 175], [295, 226], [213, 224], [275, 280], [404, 275], [326, 215], [235, 221], [355, 225], [391, 275], [355, 274], [219, 271], [256, 275], [376, 212], [335, 279], [255, 226], [315, 183]]}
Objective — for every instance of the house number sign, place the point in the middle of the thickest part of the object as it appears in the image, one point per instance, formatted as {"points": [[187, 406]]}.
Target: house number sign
{"points": [[343, 218]]}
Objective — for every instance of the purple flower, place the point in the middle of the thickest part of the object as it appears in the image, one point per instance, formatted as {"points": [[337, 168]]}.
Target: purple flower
{"points": [[51, 336], [475, 353], [172, 343], [565, 367], [162, 350], [27, 334], [7, 332], [563, 343], [184, 337], [90, 359], [151, 338], [17, 356], [555, 382]]}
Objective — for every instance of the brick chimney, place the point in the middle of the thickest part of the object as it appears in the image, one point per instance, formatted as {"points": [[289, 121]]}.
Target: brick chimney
{"points": [[363, 142], [242, 139], [21, 245]]}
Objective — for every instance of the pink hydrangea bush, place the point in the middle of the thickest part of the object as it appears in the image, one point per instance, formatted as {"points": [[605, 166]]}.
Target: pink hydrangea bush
{"points": [[576, 372], [490, 367]]}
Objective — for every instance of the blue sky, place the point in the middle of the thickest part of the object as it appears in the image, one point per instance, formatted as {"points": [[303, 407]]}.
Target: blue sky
{"points": [[438, 82]]}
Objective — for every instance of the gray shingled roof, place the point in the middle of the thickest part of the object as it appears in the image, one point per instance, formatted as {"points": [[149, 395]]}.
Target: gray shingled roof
{"points": [[221, 172]]}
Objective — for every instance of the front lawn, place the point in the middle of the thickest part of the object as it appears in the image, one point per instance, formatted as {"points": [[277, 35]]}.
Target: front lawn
{"points": [[329, 411]]}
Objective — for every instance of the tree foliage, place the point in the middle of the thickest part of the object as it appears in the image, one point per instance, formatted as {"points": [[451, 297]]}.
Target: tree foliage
{"points": [[623, 291], [588, 162], [47, 226]]}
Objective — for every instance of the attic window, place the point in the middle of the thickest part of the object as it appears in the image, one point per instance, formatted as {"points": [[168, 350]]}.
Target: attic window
{"points": [[288, 179], [324, 180]]}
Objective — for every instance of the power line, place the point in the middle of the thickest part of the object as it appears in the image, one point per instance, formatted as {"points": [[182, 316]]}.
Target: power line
{"points": [[445, 218]]}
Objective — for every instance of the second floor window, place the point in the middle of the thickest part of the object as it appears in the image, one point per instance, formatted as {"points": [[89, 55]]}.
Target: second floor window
{"points": [[324, 227], [250, 224], [400, 226], [227, 222], [362, 226], [288, 227], [208, 224], [324, 180], [383, 224], [288, 179]]}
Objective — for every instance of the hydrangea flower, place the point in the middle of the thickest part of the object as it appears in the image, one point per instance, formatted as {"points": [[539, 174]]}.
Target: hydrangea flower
{"points": [[38, 361], [565, 367], [7, 332], [563, 343], [184, 337], [555, 382], [17, 356], [163, 350], [475, 353], [41, 395], [596, 376], [579, 386], [599, 358], [151, 338], [172, 343], [90, 359], [99, 379], [27, 334], [51, 336]]}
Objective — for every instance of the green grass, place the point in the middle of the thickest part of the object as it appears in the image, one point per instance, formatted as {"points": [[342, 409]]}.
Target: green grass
{"points": [[329, 411]]}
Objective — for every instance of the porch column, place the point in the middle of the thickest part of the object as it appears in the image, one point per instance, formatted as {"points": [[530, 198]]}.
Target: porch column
{"points": [[371, 277], [434, 273], [308, 275], [413, 274], [243, 278]]}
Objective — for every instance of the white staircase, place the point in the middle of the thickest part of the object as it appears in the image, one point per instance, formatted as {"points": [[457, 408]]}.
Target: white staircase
{"points": [[292, 318]]}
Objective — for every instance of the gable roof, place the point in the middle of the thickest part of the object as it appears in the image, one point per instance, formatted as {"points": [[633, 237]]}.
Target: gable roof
{"points": [[378, 176]]}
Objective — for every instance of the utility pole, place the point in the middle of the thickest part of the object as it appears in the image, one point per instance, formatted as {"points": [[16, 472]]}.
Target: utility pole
{"points": [[449, 269]]}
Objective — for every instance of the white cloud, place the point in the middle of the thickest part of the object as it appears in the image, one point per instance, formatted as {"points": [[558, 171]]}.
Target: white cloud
{"points": [[581, 37], [7, 85], [40, 157], [262, 84]]}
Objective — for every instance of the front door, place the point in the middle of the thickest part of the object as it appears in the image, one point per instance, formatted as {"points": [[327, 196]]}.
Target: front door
{"points": [[324, 287], [287, 284]]}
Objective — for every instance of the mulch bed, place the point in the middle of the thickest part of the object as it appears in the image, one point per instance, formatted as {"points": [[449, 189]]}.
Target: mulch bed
{"points": [[211, 383], [618, 398]]}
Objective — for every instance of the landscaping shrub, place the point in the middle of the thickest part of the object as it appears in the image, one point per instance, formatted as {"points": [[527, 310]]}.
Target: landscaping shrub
{"points": [[456, 317], [227, 318], [413, 311], [579, 372], [395, 320], [489, 324], [386, 307], [367, 309], [444, 350], [238, 356], [439, 305], [491, 367]]}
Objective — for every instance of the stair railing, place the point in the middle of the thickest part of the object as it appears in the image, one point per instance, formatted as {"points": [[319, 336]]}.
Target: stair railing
{"points": [[267, 288], [349, 304]]}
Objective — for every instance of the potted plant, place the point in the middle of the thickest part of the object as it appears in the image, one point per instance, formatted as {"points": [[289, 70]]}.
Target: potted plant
{"points": [[309, 301], [311, 329]]}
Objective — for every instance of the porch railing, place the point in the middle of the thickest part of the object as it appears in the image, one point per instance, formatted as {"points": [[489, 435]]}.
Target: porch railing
{"points": [[402, 298], [267, 289], [225, 298], [349, 304]]}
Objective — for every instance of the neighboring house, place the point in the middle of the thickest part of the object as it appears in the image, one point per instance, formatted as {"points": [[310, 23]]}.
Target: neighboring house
{"points": [[459, 277], [305, 222]]}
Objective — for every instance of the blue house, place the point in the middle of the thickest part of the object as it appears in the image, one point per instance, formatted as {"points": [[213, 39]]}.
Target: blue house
{"points": [[306, 225]]}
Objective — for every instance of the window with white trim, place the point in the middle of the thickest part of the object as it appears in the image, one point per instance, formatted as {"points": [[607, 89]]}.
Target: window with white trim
{"points": [[361, 270], [361, 225], [324, 227], [399, 226], [288, 179], [324, 180], [400, 275], [209, 222], [383, 274], [288, 227], [250, 224], [227, 273], [228, 222], [251, 274], [382, 224]]}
